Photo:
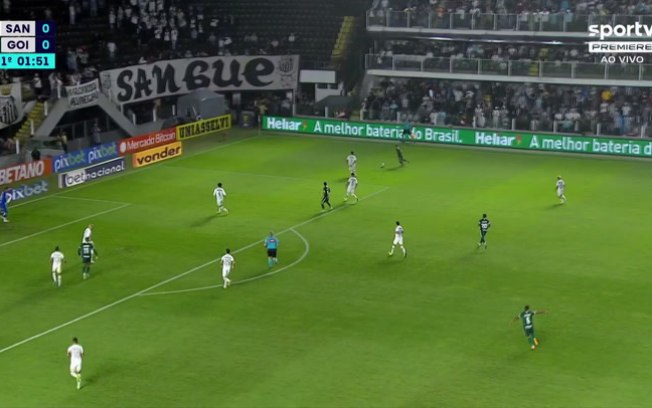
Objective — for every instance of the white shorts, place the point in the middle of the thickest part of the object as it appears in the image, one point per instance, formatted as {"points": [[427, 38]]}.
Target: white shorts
{"points": [[398, 240], [560, 192], [350, 190], [76, 366], [226, 271], [56, 269], [352, 168], [220, 202]]}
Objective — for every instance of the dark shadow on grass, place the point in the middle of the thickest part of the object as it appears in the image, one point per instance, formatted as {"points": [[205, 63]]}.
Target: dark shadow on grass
{"points": [[46, 289], [203, 221], [394, 168], [108, 371], [471, 254], [554, 206], [386, 260]]}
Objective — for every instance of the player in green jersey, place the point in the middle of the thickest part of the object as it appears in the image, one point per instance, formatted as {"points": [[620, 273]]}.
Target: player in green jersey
{"points": [[399, 154], [527, 318], [407, 131], [484, 225], [88, 255]]}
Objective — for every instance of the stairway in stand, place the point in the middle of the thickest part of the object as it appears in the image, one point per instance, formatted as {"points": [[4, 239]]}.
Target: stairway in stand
{"points": [[344, 39], [36, 115]]}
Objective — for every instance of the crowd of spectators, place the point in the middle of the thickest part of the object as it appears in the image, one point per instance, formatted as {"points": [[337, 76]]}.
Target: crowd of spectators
{"points": [[171, 29], [521, 15], [7, 145], [537, 107], [142, 31], [538, 8], [139, 32], [125, 32], [488, 50]]}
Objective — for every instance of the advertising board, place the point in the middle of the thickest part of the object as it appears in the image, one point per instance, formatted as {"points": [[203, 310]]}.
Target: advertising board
{"points": [[157, 154]]}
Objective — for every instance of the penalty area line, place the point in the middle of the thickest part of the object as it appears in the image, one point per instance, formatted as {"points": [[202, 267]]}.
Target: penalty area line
{"points": [[170, 279], [303, 256]]}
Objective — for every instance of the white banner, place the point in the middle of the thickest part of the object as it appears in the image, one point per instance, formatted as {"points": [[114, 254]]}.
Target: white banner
{"points": [[81, 96], [181, 76], [11, 104]]}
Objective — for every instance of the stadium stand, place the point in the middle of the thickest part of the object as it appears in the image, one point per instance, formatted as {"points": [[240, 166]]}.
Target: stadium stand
{"points": [[542, 104], [487, 50], [95, 35], [539, 15], [537, 107], [139, 31], [519, 6], [135, 31]]}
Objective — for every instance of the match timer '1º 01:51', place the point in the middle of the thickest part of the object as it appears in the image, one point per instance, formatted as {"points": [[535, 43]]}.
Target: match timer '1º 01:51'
{"points": [[28, 45]]}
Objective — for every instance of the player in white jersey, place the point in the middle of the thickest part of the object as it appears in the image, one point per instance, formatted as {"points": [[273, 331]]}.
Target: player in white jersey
{"points": [[227, 262], [56, 259], [351, 185], [219, 195], [88, 236], [352, 161], [76, 353], [88, 233], [398, 240], [560, 187]]}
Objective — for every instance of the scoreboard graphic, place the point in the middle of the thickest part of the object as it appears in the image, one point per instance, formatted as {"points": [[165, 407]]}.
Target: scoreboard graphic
{"points": [[28, 44]]}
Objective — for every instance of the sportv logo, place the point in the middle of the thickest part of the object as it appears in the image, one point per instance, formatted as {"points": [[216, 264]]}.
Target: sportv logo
{"points": [[26, 191], [620, 30], [636, 33], [157, 154]]}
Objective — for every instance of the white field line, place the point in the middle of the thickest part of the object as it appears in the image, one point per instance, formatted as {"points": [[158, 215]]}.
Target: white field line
{"points": [[127, 173], [306, 251], [63, 225], [171, 279], [93, 200], [60, 195]]}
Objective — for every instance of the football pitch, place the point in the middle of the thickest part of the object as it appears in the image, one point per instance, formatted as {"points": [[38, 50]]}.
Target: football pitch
{"points": [[337, 323]]}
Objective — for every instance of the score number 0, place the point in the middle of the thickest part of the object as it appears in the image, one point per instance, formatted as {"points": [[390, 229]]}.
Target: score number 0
{"points": [[48, 30], [44, 45]]}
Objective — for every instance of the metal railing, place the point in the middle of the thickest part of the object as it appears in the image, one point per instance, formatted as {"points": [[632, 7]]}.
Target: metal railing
{"points": [[553, 22], [511, 68]]}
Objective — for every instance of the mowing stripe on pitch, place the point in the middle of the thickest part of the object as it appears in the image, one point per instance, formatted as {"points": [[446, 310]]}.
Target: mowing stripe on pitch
{"points": [[272, 176], [133, 171], [303, 256], [172, 279], [63, 225]]}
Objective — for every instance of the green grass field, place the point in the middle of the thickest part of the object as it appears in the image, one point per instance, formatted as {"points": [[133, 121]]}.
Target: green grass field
{"points": [[341, 324]]}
